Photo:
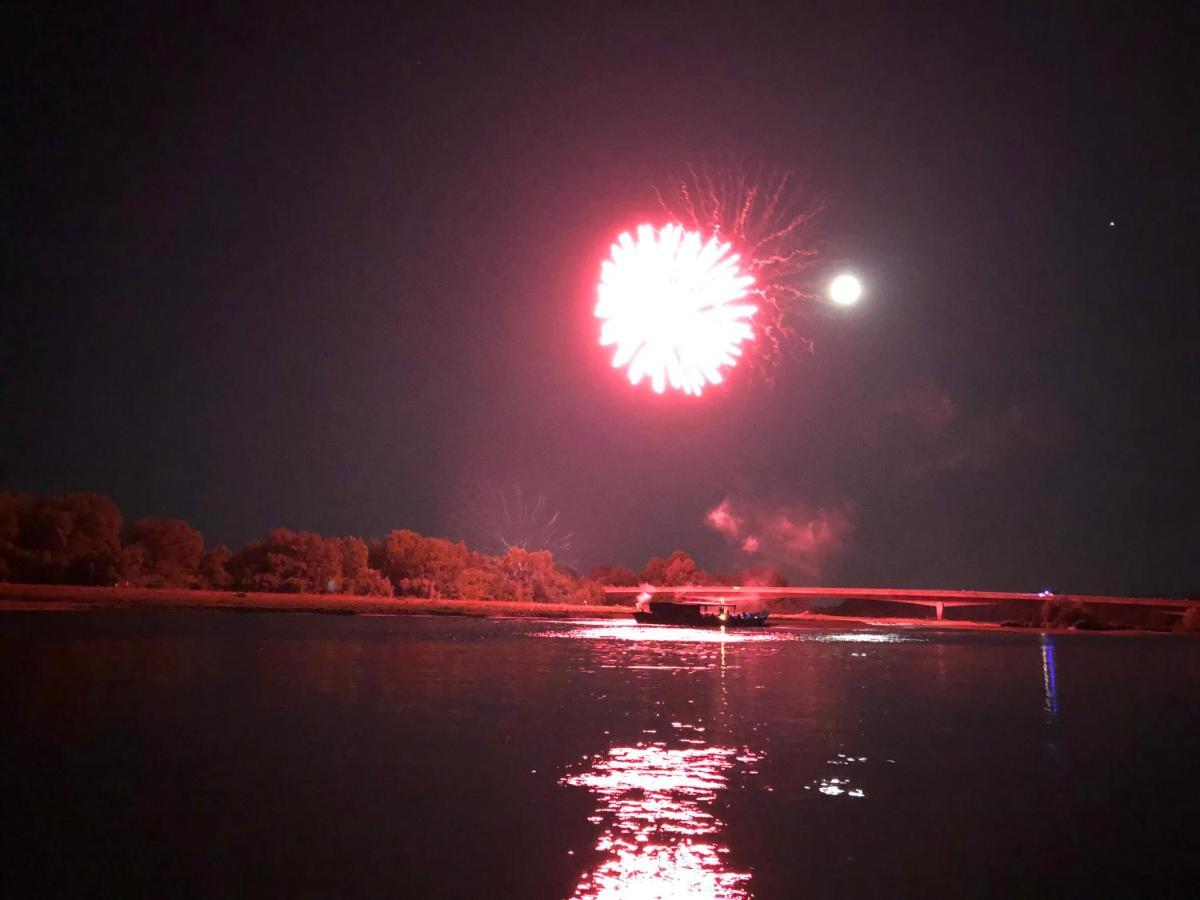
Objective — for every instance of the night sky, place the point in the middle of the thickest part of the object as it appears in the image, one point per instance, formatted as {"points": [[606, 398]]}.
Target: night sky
{"points": [[326, 269]]}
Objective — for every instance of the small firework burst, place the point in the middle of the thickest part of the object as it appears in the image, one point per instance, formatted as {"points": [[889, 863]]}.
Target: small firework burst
{"points": [[494, 518]]}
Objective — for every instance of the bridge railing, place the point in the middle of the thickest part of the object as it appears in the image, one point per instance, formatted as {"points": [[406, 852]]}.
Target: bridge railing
{"points": [[917, 597]]}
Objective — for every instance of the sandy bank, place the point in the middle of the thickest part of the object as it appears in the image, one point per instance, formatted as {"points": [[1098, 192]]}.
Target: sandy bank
{"points": [[54, 597]]}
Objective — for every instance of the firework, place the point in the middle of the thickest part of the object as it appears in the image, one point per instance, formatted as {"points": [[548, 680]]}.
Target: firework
{"points": [[768, 218], [682, 303], [495, 518], [669, 302]]}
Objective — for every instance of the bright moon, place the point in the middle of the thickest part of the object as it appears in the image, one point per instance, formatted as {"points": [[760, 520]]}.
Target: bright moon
{"points": [[845, 290]]}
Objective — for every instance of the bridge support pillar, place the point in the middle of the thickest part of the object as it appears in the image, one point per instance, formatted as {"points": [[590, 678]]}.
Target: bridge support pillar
{"points": [[940, 607]]}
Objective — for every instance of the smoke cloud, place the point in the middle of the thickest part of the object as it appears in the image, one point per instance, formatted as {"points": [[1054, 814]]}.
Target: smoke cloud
{"points": [[795, 538], [926, 433]]}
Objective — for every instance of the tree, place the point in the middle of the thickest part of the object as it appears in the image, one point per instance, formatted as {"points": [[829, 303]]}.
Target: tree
{"points": [[354, 565], [680, 569], [535, 577], [377, 556], [170, 553], [93, 543], [78, 538], [423, 565], [677, 569], [614, 576], [357, 575], [655, 571], [289, 562], [477, 582], [10, 512], [74, 538], [213, 569], [590, 593], [371, 583]]}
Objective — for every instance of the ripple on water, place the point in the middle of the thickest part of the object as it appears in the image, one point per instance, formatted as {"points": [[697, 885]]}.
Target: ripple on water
{"points": [[603, 630], [658, 834], [608, 630]]}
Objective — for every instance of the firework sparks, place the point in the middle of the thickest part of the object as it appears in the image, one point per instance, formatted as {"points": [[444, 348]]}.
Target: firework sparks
{"points": [[768, 218], [669, 301], [495, 518]]}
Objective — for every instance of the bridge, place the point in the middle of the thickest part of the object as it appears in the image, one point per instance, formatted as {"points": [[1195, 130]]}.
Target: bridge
{"points": [[938, 600]]}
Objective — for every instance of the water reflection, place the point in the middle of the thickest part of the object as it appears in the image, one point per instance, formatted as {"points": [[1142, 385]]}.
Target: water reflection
{"points": [[839, 786], [608, 630], [834, 787], [659, 836], [1049, 678], [658, 832], [605, 630], [860, 637]]}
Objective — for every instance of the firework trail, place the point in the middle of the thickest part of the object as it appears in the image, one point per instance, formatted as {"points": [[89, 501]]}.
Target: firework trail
{"points": [[768, 217], [495, 518]]}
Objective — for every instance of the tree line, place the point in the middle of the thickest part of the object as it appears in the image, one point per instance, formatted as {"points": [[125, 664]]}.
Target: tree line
{"points": [[83, 539]]}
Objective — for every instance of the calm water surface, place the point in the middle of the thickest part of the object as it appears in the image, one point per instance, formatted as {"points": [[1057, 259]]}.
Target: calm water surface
{"points": [[192, 754]]}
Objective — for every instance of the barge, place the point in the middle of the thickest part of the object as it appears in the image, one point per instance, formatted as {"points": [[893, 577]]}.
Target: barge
{"points": [[698, 612]]}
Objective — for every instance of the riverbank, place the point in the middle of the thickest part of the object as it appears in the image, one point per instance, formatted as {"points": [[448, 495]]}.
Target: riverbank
{"points": [[63, 598], [825, 620], [74, 598]]}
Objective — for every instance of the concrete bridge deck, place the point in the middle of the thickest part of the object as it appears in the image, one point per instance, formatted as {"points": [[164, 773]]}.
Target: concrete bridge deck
{"points": [[936, 599]]}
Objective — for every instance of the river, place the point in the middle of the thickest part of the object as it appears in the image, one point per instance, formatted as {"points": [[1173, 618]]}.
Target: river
{"points": [[218, 754]]}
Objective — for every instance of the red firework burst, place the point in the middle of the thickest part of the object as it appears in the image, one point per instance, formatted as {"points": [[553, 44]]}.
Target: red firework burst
{"points": [[669, 301]]}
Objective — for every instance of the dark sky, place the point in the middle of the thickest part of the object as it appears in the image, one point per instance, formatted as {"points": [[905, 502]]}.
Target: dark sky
{"points": [[325, 269]]}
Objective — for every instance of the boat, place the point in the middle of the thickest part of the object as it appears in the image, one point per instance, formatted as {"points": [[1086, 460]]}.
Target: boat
{"points": [[696, 612]]}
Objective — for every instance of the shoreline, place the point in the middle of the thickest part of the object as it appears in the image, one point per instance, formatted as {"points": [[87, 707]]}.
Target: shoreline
{"points": [[820, 620], [71, 598], [75, 598]]}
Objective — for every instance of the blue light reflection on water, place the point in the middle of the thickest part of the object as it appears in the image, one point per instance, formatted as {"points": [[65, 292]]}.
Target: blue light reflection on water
{"points": [[1049, 677]]}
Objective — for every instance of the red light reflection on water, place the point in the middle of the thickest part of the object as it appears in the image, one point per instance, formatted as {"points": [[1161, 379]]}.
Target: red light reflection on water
{"points": [[673, 634], [659, 838]]}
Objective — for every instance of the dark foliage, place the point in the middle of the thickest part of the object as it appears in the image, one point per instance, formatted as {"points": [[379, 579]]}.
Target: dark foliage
{"points": [[79, 539]]}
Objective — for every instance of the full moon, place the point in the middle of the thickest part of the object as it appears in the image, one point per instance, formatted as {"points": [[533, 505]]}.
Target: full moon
{"points": [[845, 290]]}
